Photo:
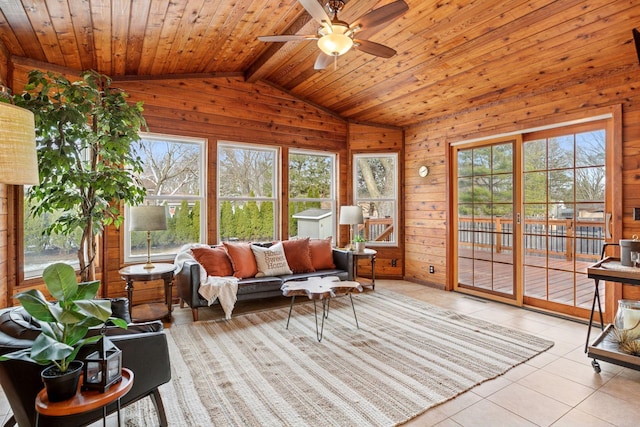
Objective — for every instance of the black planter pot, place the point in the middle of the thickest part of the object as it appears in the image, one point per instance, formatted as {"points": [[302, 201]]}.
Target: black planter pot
{"points": [[62, 386]]}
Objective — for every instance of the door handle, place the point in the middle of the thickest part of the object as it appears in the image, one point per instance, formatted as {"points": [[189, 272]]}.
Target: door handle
{"points": [[607, 229]]}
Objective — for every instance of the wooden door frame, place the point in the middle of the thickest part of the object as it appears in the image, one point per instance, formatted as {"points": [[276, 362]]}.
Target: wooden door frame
{"points": [[613, 115], [516, 299]]}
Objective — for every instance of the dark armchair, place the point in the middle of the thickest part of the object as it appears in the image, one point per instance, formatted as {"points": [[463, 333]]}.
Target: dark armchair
{"points": [[144, 351]]}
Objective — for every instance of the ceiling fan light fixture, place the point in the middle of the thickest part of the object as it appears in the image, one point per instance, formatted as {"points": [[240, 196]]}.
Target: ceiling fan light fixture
{"points": [[337, 42]]}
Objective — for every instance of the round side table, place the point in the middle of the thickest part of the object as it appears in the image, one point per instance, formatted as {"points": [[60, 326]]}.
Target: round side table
{"points": [[366, 253], [85, 400], [138, 273]]}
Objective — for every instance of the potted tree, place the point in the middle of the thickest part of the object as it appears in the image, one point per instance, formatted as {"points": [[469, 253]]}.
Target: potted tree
{"points": [[65, 324], [84, 132]]}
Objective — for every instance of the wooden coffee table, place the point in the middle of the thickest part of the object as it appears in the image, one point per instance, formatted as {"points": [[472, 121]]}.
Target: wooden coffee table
{"points": [[320, 288]]}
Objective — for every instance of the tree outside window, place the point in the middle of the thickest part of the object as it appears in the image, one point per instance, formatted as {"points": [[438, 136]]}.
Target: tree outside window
{"points": [[40, 249], [173, 174], [376, 192], [311, 194], [247, 192]]}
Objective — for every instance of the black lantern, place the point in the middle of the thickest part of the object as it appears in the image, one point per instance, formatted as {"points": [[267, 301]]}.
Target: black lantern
{"points": [[103, 367]]}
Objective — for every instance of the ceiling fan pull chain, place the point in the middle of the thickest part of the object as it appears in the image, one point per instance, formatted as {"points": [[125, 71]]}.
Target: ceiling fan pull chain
{"points": [[335, 62]]}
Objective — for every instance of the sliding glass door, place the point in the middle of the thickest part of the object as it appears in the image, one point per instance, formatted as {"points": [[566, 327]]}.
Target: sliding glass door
{"points": [[564, 215], [530, 216], [485, 218]]}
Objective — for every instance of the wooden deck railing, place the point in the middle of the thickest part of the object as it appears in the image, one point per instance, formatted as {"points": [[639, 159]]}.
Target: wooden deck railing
{"points": [[377, 229], [557, 237]]}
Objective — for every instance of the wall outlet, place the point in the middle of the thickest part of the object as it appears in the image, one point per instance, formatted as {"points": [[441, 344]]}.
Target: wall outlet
{"points": [[394, 262], [432, 269]]}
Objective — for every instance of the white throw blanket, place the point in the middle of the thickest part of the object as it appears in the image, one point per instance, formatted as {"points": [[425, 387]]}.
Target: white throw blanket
{"points": [[211, 288]]}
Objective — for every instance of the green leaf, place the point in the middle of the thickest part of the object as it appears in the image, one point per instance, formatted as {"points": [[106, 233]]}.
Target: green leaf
{"points": [[61, 281], [36, 305], [100, 309], [66, 316], [24, 355], [121, 323], [46, 349], [87, 290], [75, 333]]}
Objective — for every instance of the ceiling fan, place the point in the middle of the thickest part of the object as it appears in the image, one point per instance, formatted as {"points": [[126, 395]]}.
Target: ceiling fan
{"points": [[336, 37]]}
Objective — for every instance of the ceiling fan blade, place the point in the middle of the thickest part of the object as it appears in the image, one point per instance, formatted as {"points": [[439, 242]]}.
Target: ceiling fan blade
{"points": [[374, 48], [286, 38], [322, 61], [381, 15], [317, 12]]}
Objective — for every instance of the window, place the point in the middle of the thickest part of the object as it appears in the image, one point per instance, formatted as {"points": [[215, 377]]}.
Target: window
{"points": [[41, 250], [376, 192], [174, 176], [247, 192], [311, 194]]}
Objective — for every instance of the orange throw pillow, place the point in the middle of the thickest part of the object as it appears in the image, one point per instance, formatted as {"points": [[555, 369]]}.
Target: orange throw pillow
{"points": [[215, 261], [242, 259], [298, 255], [321, 254]]}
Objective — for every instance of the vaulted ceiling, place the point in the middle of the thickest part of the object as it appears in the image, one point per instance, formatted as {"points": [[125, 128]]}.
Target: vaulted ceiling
{"points": [[453, 55]]}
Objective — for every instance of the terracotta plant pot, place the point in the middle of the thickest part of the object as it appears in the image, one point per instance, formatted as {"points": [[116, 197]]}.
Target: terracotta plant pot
{"points": [[62, 386]]}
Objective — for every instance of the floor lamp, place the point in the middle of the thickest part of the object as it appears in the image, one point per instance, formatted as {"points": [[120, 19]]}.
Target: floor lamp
{"points": [[351, 216], [148, 218]]}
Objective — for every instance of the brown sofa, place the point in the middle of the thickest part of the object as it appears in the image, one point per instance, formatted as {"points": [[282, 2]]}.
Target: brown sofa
{"points": [[187, 280]]}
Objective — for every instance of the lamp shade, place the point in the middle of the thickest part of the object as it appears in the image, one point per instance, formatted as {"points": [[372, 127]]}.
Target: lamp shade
{"points": [[18, 156], [337, 42], [148, 218], [351, 215]]}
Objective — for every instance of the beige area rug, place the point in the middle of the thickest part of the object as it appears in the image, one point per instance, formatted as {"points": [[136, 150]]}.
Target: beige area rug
{"points": [[406, 357]]}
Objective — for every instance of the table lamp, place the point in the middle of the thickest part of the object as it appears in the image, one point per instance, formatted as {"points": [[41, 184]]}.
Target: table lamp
{"points": [[18, 156], [352, 216], [148, 218]]}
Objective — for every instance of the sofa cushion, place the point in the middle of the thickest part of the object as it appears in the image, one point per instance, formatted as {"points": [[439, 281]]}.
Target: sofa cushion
{"points": [[270, 261], [298, 255], [242, 259], [321, 254], [215, 261], [120, 308]]}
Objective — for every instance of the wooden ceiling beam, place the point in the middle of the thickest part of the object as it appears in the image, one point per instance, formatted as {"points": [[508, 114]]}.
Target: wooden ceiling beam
{"points": [[276, 53]]}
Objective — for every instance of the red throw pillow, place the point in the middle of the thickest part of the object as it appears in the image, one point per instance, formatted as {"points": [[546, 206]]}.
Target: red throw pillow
{"points": [[298, 255], [215, 261], [242, 259], [321, 254]]}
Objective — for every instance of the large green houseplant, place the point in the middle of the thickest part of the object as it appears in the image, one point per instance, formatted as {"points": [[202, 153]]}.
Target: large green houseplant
{"points": [[84, 132], [65, 322]]}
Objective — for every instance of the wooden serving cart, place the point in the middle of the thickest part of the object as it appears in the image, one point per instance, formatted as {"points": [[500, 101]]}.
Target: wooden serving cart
{"points": [[604, 347]]}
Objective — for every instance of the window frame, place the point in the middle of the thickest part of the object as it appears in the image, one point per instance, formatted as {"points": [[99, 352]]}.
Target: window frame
{"points": [[395, 200], [202, 197]]}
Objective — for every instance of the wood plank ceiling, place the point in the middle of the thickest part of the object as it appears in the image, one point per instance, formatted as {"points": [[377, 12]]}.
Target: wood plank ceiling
{"points": [[453, 56]]}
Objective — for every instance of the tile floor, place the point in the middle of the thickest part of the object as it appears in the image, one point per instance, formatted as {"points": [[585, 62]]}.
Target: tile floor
{"points": [[557, 388]]}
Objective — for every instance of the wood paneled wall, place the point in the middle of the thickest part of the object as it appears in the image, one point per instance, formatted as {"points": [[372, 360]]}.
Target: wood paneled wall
{"points": [[4, 204], [427, 199], [217, 108], [226, 108], [365, 138]]}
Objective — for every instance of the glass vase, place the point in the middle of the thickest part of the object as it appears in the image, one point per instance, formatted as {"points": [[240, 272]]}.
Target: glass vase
{"points": [[628, 316]]}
